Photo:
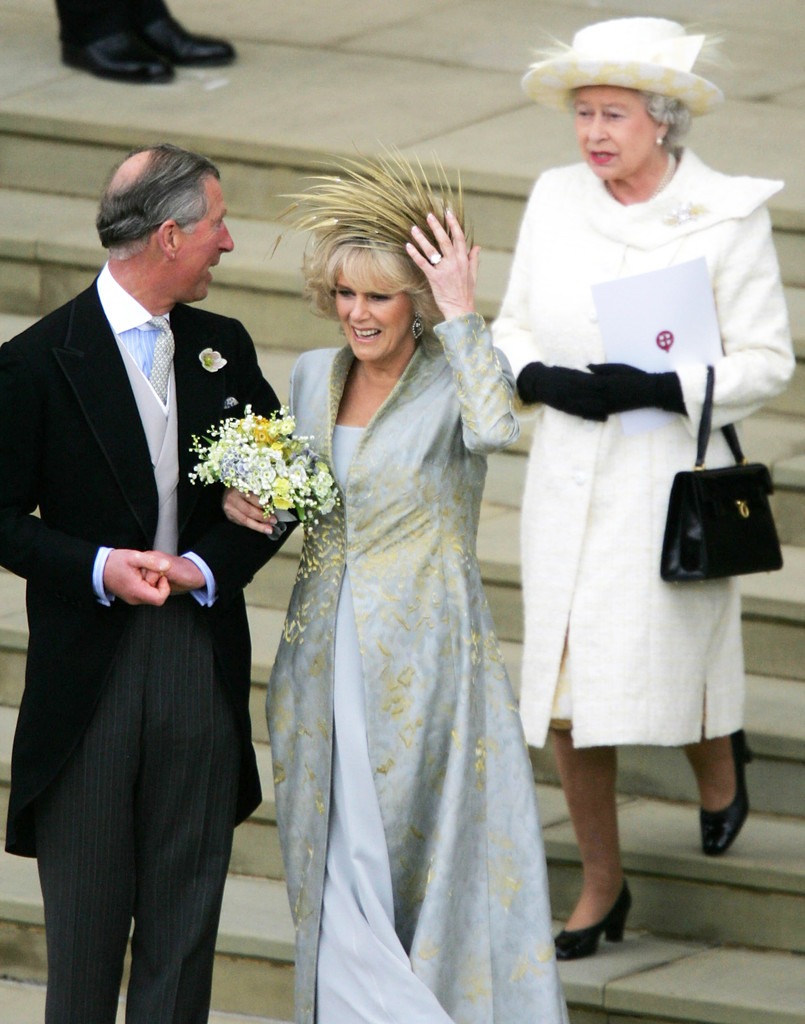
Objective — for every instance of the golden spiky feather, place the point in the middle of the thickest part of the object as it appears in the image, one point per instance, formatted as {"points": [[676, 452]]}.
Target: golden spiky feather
{"points": [[375, 201]]}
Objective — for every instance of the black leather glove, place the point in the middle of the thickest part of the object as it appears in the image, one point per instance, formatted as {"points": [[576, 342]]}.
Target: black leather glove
{"points": [[626, 387], [572, 391]]}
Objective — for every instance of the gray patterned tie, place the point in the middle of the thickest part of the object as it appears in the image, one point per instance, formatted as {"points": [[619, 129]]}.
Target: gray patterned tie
{"points": [[163, 356]]}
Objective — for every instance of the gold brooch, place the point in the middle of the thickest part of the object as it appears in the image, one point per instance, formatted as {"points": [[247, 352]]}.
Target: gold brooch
{"points": [[682, 214]]}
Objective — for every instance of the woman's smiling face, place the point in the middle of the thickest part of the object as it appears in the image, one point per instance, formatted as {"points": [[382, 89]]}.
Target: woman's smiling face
{"points": [[376, 324]]}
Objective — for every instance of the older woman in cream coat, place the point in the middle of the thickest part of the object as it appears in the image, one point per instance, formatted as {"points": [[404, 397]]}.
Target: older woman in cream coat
{"points": [[612, 653]]}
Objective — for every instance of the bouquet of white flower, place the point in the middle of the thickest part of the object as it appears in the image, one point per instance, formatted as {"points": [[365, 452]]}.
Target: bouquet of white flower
{"points": [[261, 455]]}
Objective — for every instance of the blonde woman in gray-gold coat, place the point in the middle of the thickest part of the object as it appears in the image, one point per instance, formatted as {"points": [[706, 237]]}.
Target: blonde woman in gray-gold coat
{"points": [[405, 798]]}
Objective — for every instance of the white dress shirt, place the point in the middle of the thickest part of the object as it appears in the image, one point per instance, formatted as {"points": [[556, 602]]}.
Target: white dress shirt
{"points": [[129, 321]]}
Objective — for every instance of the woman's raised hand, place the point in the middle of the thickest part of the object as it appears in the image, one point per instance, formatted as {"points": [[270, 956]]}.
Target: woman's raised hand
{"points": [[450, 269]]}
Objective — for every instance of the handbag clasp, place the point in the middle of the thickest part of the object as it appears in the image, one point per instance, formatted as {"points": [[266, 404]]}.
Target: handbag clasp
{"points": [[743, 507]]}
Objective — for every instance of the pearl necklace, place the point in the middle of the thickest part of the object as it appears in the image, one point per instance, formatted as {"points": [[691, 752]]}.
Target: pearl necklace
{"points": [[664, 181]]}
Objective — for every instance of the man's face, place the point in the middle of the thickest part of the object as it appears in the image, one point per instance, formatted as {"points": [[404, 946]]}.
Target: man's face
{"points": [[200, 247]]}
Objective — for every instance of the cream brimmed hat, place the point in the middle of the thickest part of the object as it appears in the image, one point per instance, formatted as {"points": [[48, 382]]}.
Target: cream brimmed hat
{"points": [[649, 54]]}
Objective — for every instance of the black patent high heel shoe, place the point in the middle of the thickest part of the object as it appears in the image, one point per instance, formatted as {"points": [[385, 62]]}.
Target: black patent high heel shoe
{"points": [[583, 942], [720, 828]]}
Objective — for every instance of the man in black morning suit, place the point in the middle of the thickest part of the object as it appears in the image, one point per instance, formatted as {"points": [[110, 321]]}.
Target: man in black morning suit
{"points": [[132, 759]]}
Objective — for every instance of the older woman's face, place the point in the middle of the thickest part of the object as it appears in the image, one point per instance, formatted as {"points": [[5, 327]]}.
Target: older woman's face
{"points": [[376, 324], [616, 136]]}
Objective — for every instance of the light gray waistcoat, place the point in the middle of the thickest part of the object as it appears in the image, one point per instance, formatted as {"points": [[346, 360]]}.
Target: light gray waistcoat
{"points": [[161, 432]]}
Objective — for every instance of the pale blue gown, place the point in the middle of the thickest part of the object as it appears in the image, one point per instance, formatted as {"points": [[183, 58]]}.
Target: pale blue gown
{"points": [[364, 974]]}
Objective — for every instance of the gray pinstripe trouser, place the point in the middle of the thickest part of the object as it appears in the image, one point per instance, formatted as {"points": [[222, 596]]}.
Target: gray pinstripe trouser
{"points": [[139, 825]]}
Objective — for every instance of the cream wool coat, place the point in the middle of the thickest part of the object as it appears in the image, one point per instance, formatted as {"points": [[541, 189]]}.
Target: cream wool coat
{"points": [[647, 661]]}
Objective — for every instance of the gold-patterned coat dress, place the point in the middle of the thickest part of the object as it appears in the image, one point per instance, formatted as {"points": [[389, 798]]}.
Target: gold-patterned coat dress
{"points": [[446, 748]]}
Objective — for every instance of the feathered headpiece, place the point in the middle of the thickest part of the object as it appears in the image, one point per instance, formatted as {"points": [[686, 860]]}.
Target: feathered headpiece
{"points": [[374, 202]]}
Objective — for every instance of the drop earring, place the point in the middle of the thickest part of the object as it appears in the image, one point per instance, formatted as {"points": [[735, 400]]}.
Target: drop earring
{"points": [[417, 327]]}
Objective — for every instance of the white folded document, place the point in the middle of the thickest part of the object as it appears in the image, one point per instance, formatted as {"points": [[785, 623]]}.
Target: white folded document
{"points": [[658, 321]]}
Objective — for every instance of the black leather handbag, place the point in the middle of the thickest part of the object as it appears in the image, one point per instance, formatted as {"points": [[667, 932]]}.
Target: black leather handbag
{"points": [[719, 521]]}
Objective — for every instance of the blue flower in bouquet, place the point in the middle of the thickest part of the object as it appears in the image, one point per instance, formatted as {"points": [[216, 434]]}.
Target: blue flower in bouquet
{"points": [[261, 455]]}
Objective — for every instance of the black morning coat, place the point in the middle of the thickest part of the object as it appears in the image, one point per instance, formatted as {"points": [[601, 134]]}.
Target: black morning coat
{"points": [[72, 446]]}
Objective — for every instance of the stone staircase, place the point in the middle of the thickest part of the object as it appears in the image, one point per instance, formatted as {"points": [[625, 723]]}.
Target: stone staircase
{"points": [[716, 941]]}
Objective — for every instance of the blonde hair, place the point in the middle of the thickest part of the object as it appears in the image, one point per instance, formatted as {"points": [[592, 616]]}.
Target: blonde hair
{"points": [[368, 268]]}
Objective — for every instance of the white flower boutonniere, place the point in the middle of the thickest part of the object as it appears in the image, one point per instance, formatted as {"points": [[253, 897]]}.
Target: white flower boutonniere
{"points": [[211, 360]]}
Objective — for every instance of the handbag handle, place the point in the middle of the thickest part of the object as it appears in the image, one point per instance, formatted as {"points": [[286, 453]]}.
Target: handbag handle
{"points": [[705, 423]]}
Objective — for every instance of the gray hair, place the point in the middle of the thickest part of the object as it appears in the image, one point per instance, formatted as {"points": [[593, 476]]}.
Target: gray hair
{"points": [[170, 187], [669, 111]]}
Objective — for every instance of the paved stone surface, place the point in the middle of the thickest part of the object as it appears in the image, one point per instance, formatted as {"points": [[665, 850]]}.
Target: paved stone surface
{"points": [[722, 986], [13, 620], [587, 981], [11, 324], [663, 838], [432, 75], [25, 1004], [255, 918]]}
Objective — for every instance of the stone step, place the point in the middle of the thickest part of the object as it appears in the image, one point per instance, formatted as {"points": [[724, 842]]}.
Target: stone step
{"points": [[659, 839], [774, 436], [13, 323], [264, 291], [683, 984], [256, 283], [660, 853], [774, 614], [792, 401], [645, 978], [768, 437], [773, 606], [256, 848], [795, 299], [744, 983], [47, 156], [254, 953], [255, 186], [277, 362], [23, 1002], [752, 896], [276, 101], [775, 726], [789, 493]]}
